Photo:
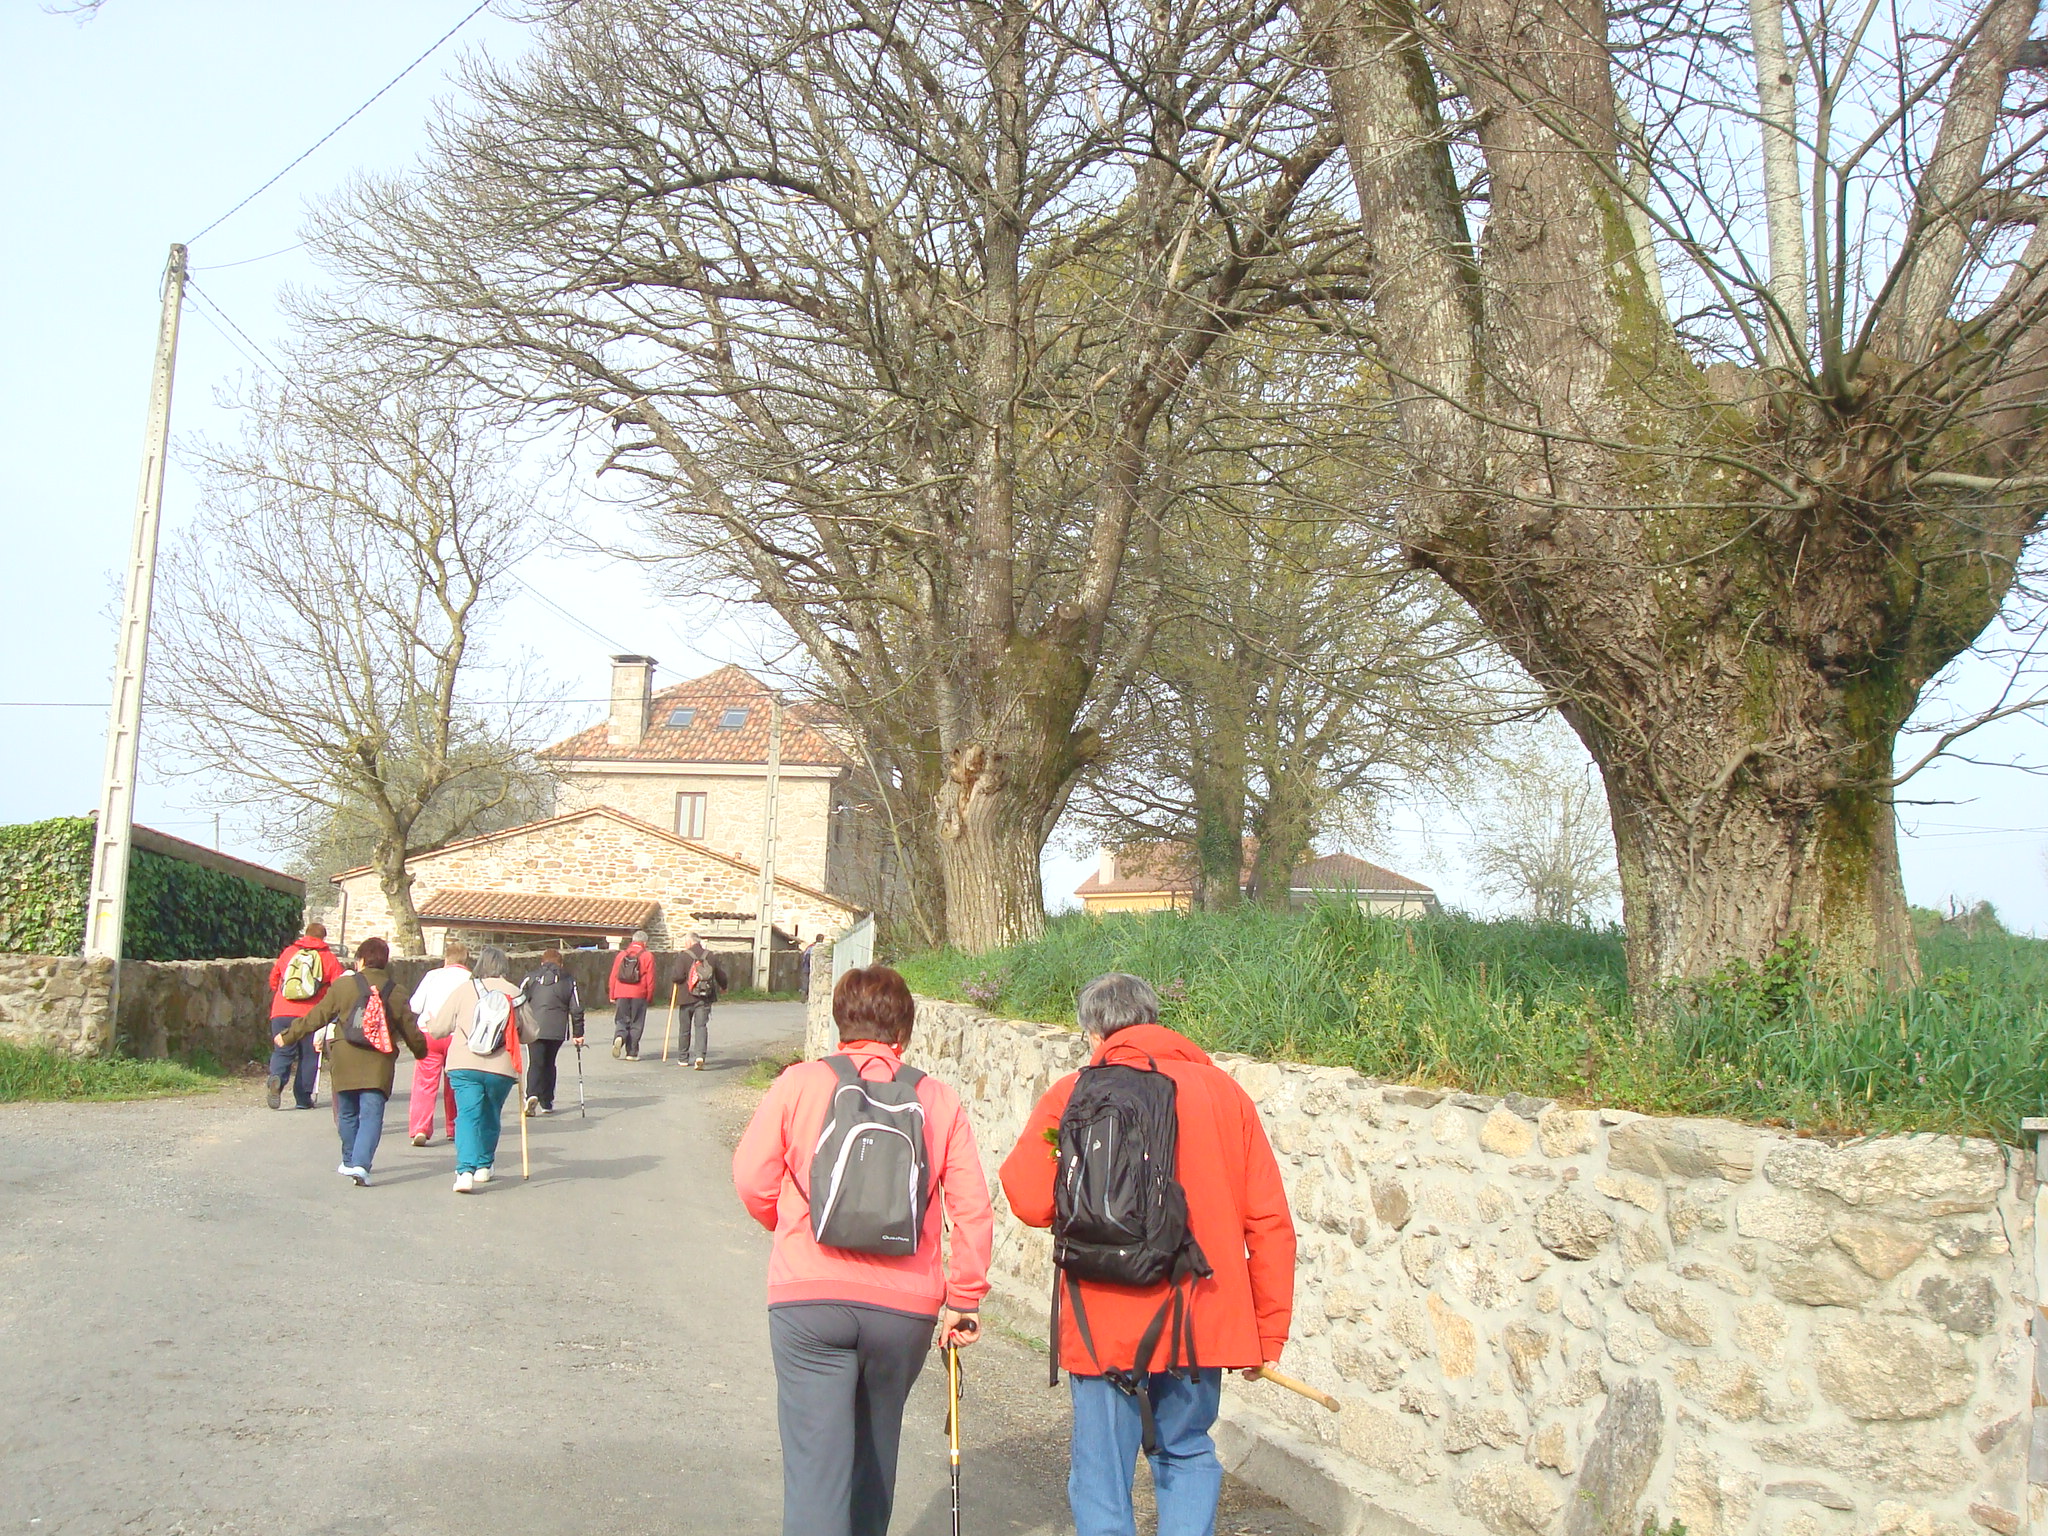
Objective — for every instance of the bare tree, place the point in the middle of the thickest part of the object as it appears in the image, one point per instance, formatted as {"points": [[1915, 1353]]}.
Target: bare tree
{"points": [[1541, 839], [1301, 672], [318, 627], [1716, 333], [883, 304]]}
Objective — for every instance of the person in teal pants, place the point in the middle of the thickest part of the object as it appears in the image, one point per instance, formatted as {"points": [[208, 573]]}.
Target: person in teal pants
{"points": [[482, 1082]]}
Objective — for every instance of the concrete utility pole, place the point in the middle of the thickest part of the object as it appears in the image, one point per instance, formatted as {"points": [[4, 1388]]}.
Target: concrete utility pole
{"points": [[764, 909], [107, 904]]}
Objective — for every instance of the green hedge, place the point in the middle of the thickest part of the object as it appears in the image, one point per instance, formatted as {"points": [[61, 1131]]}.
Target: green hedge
{"points": [[176, 911]]}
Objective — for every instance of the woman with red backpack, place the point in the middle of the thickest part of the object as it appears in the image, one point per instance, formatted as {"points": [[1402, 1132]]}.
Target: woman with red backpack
{"points": [[370, 1016]]}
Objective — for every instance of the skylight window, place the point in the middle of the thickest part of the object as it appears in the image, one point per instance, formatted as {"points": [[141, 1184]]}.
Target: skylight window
{"points": [[680, 719], [732, 719]]}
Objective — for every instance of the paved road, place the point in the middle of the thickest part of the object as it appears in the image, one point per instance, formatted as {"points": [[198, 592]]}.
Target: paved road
{"points": [[204, 1331]]}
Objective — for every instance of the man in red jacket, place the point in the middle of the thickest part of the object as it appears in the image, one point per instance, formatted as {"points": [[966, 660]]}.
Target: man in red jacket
{"points": [[298, 1063], [629, 998], [1237, 1213]]}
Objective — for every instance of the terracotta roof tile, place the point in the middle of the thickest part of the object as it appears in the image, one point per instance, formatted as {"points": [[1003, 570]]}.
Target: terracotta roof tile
{"points": [[603, 914], [704, 739]]}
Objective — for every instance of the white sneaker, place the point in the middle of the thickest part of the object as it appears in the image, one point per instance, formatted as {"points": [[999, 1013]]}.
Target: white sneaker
{"points": [[532, 1105], [344, 1170], [482, 1175], [464, 1183], [422, 1139], [700, 1063], [360, 1175]]}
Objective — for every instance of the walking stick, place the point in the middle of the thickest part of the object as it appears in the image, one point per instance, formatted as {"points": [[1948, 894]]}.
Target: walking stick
{"points": [[1267, 1373], [581, 1112], [953, 1427], [669, 1028], [519, 1086]]}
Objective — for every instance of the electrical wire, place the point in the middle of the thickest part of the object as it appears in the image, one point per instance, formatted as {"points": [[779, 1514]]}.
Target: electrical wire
{"points": [[246, 261], [262, 359], [330, 133]]}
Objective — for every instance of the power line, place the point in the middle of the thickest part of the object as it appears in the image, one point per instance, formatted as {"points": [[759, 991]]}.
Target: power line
{"points": [[330, 133], [262, 359], [247, 261]]}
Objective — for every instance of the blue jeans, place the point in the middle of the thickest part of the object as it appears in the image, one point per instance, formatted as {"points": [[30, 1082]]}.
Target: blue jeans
{"points": [[359, 1116], [1185, 1472], [479, 1108], [298, 1059]]}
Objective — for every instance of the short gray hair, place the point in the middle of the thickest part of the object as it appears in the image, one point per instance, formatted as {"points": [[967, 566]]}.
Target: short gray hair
{"points": [[490, 961], [1112, 1002], [639, 935]]}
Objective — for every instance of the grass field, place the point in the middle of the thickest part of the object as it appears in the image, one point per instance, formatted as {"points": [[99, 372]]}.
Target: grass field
{"points": [[1499, 1006], [35, 1074]]}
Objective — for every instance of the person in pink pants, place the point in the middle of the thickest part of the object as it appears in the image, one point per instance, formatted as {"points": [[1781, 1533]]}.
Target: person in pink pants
{"points": [[430, 1072]]}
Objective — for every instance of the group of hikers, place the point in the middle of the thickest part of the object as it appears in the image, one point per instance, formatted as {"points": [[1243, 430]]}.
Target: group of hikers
{"points": [[1173, 1247], [1173, 1253], [471, 1030]]}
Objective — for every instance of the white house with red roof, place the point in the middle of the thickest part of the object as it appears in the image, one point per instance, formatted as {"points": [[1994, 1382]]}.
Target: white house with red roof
{"points": [[1159, 877]]}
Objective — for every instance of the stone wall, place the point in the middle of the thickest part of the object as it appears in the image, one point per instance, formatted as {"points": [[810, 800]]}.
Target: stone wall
{"points": [[217, 1007], [55, 1002], [1545, 1320]]}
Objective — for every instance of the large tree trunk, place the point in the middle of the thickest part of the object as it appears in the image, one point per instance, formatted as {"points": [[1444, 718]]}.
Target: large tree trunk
{"points": [[1012, 755], [395, 880], [1744, 722]]}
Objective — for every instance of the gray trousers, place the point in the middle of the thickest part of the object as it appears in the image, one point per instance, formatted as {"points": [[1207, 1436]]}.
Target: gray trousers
{"points": [[694, 1026], [842, 1374]]}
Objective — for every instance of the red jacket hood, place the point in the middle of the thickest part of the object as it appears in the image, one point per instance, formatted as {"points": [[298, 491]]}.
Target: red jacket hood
{"points": [[1130, 1046], [306, 943]]}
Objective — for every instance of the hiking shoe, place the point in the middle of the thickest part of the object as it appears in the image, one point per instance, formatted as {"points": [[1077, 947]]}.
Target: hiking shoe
{"points": [[618, 1049], [700, 1063], [545, 1109], [360, 1175], [273, 1091], [423, 1138], [464, 1183], [532, 1104], [482, 1175], [345, 1171]]}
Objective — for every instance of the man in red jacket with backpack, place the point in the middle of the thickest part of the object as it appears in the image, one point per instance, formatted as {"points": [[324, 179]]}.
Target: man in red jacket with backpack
{"points": [[1145, 1361], [299, 978], [632, 985]]}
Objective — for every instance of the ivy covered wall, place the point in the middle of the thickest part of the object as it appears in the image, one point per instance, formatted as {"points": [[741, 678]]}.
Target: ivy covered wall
{"points": [[176, 910]]}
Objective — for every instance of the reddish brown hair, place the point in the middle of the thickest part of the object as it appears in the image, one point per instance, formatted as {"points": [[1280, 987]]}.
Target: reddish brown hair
{"points": [[552, 954], [374, 953], [316, 930], [873, 1003]]}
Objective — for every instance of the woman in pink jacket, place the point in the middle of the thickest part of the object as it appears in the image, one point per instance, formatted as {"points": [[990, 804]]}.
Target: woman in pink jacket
{"points": [[850, 1325]]}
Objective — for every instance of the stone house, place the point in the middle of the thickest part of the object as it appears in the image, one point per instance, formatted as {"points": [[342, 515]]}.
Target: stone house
{"points": [[693, 759], [1159, 878], [590, 876]]}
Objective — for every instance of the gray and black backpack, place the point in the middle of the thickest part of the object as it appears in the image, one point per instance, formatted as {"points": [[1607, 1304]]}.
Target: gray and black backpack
{"points": [[871, 1171]]}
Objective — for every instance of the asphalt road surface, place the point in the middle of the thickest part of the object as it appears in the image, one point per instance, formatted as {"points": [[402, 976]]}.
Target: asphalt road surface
{"points": [[205, 1331]]}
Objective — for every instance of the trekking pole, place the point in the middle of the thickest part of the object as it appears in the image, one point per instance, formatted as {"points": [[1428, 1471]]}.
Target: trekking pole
{"points": [[1267, 1373], [519, 1090], [581, 1112], [953, 1427], [669, 1028]]}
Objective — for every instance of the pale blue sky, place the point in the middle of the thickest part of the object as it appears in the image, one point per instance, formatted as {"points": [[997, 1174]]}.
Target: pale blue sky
{"points": [[122, 134]]}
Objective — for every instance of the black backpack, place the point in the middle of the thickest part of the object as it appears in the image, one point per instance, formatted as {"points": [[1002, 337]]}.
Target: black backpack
{"points": [[1120, 1216], [870, 1177], [629, 969]]}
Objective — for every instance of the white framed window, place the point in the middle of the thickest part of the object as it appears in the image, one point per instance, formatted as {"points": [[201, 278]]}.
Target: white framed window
{"points": [[690, 815], [732, 719]]}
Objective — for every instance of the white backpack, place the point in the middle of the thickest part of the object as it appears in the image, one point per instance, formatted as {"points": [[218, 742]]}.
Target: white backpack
{"points": [[493, 1017]]}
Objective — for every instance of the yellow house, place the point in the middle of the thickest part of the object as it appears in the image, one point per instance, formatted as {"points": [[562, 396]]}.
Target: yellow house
{"points": [[1157, 878]]}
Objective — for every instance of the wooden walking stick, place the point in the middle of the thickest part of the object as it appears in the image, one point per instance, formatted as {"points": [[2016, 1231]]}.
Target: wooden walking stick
{"points": [[668, 1029], [1267, 1373], [519, 1090]]}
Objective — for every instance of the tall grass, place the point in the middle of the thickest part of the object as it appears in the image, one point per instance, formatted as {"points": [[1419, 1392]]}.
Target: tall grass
{"points": [[38, 1074], [1543, 1009]]}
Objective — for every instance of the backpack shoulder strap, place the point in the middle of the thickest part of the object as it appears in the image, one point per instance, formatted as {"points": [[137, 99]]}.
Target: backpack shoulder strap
{"points": [[843, 1068], [907, 1075]]}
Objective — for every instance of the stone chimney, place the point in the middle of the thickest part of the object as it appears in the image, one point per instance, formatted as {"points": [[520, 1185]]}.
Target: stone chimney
{"points": [[632, 700], [1105, 867]]}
